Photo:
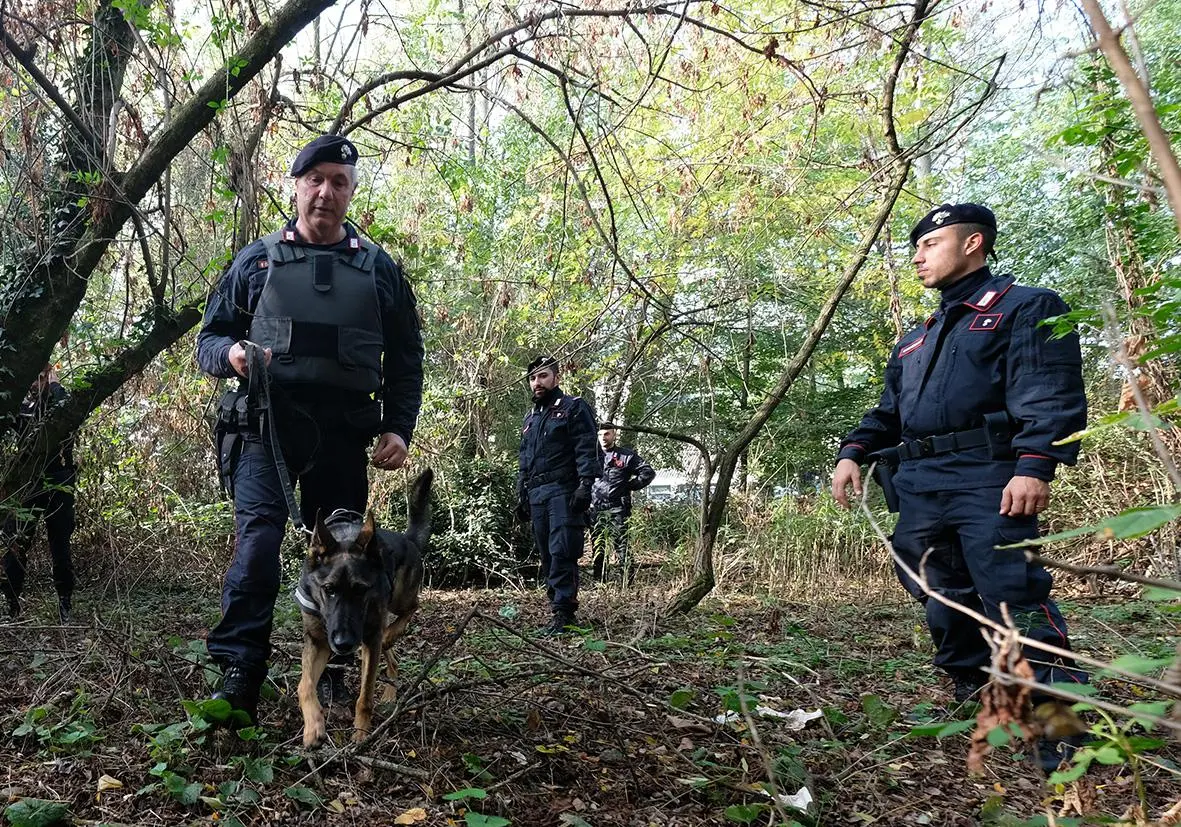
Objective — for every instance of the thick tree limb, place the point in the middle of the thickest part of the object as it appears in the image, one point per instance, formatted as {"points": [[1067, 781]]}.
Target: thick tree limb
{"points": [[56, 278]]}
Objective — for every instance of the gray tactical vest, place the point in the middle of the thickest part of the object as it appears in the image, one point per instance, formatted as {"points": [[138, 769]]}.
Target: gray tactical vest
{"points": [[319, 314]]}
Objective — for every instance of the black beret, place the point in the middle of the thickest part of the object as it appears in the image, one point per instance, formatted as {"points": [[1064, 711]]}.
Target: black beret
{"points": [[947, 214], [334, 149], [608, 426], [541, 362]]}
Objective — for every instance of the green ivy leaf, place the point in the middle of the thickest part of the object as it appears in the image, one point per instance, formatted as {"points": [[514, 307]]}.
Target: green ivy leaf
{"points": [[303, 795], [467, 792], [744, 813], [36, 812], [480, 820]]}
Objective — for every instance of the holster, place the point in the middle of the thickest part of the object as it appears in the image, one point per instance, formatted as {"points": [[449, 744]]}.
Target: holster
{"points": [[998, 431], [885, 464], [235, 416]]}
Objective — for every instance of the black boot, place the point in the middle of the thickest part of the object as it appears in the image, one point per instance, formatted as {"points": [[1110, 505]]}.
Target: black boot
{"points": [[240, 686], [65, 609], [1050, 751], [558, 625], [14, 604], [968, 683]]}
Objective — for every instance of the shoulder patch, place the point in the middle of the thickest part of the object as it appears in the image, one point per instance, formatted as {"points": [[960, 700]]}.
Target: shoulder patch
{"points": [[912, 347], [263, 263], [986, 322]]}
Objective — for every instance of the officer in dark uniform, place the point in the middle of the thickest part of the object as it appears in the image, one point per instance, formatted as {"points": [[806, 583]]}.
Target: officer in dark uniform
{"points": [[624, 471], [974, 400], [558, 464], [53, 499], [344, 357]]}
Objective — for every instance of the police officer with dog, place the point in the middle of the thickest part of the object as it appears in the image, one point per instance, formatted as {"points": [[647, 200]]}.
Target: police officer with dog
{"points": [[330, 320], [557, 466], [975, 400], [624, 471]]}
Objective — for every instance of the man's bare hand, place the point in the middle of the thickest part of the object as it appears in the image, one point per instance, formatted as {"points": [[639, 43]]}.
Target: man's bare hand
{"points": [[238, 359], [848, 473], [1025, 497], [390, 453]]}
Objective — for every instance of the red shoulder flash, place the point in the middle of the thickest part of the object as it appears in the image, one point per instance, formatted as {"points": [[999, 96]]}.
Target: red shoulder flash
{"points": [[289, 235], [913, 346]]}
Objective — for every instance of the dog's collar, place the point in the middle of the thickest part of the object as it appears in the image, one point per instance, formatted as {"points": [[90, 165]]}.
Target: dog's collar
{"points": [[306, 602]]}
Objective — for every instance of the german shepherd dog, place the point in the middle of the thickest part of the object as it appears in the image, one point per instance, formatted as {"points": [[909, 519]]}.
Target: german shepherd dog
{"points": [[359, 588]]}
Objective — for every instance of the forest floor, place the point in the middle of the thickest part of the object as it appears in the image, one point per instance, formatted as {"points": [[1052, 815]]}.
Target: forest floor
{"points": [[633, 722]]}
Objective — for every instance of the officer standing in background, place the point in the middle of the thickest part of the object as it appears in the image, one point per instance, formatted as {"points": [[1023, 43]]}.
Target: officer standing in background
{"points": [[53, 499], [338, 322], [974, 400], [624, 471], [558, 464]]}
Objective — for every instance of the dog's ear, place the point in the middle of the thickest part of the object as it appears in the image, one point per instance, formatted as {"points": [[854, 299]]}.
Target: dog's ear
{"points": [[364, 539], [323, 544]]}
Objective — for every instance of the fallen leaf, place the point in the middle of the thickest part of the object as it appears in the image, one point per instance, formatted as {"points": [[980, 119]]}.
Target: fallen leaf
{"points": [[411, 816], [106, 782]]}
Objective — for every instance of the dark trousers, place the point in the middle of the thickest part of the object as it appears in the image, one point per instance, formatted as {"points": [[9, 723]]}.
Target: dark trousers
{"points": [[54, 502], [609, 529], [336, 479], [963, 528], [559, 535]]}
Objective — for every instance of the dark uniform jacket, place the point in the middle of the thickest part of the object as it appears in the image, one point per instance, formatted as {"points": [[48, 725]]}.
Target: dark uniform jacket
{"points": [[624, 471], [982, 352], [229, 314], [558, 448]]}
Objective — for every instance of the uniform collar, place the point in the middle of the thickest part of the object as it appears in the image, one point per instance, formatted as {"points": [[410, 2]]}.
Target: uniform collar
{"points": [[351, 240], [554, 401], [979, 290]]}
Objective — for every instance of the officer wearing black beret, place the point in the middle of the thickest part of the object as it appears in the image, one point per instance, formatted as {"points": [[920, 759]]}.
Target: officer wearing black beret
{"points": [[344, 356], [975, 400], [557, 465]]}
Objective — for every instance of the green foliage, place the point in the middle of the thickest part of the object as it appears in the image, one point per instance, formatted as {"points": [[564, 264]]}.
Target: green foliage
{"points": [[36, 812], [474, 537], [61, 730]]}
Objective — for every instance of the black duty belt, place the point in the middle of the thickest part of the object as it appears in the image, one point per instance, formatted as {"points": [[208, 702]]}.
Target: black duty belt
{"points": [[546, 477], [994, 435]]}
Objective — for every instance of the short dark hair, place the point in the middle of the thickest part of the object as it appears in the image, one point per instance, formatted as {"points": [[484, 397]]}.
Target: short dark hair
{"points": [[989, 234]]}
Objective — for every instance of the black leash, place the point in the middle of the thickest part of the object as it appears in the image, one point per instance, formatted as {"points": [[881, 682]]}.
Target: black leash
{"points": [[259, 390]]}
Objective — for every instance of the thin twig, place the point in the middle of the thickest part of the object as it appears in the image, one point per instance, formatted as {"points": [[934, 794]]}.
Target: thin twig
{"points": [[1104, 571]]}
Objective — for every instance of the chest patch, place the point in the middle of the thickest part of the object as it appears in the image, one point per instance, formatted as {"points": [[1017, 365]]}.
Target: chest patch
{"points": [[986, 322], [558, 415], [913, 346]]}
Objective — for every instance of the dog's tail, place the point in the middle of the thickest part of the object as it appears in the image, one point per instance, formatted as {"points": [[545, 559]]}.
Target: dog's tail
{"points": [[419, 525]]}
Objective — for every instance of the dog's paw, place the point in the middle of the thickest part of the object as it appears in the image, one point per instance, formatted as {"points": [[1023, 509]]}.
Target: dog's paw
{"points": [[314, 732]]}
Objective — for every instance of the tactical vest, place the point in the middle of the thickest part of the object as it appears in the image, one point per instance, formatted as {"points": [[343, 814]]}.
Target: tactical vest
{"points": [[319, 314]]}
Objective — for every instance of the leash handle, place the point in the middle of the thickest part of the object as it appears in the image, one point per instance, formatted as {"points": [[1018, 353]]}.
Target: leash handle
{"points": [[259, 393]]}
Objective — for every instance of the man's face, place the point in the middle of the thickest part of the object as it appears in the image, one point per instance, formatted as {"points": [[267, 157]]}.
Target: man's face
{"points": [[542, 380], [322, 196], [943, 257], [607, 438]]}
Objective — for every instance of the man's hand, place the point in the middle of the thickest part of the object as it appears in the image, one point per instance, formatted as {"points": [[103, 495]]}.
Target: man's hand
{"points": [[524, 514], [1025, 497], [848, 473], [239, 362], [390, 453]]}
